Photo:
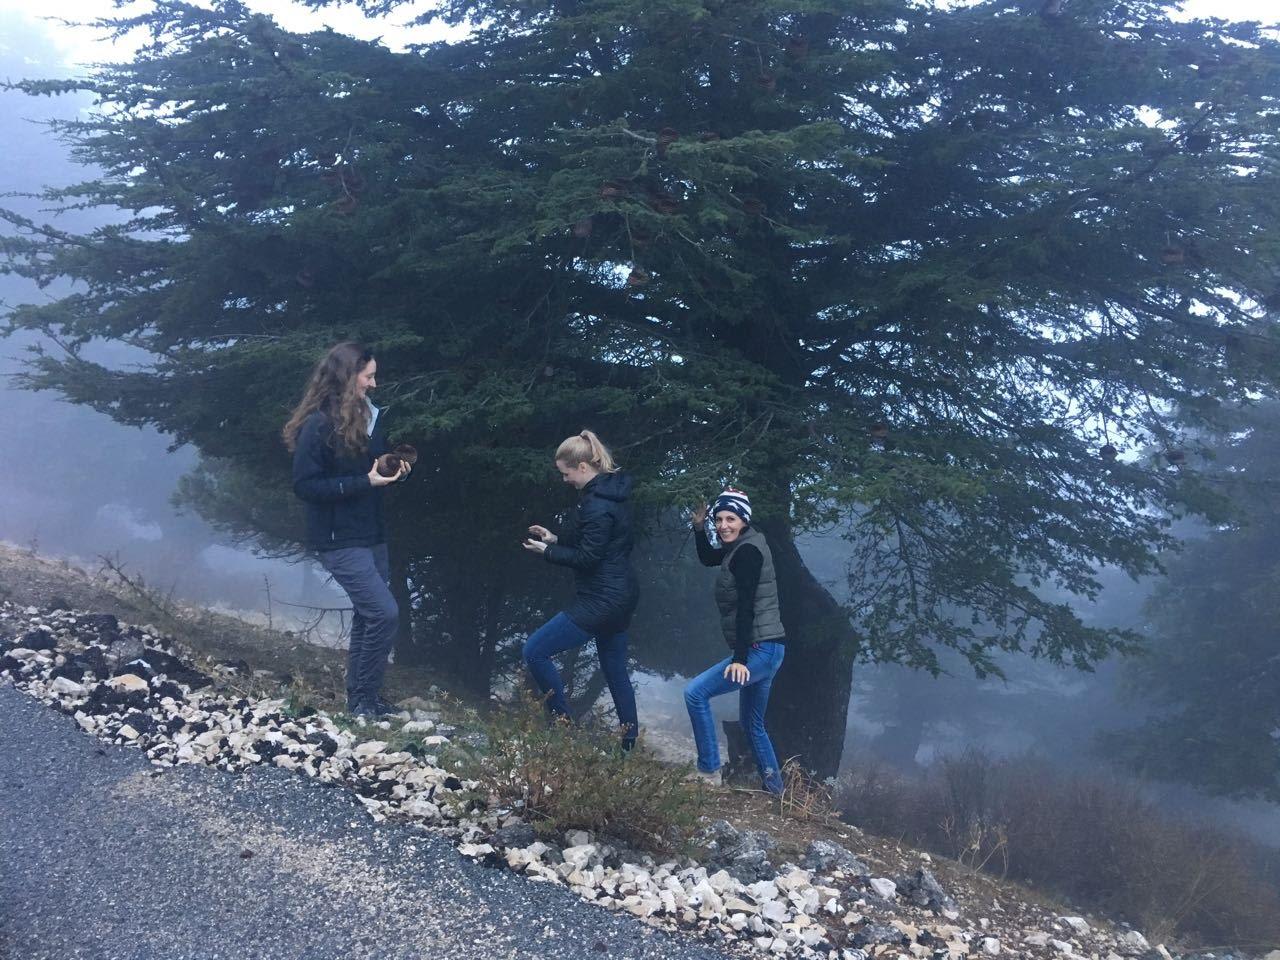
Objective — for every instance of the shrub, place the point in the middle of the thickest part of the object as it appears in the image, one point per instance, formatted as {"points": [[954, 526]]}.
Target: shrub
{"points": [[1095, 840], [569, 777]]}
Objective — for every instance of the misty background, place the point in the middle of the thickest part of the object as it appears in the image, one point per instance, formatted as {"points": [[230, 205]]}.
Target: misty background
{"points": [[75, 484]]}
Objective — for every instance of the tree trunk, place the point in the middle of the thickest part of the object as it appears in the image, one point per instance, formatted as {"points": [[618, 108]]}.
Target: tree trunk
{"points": [[809, 703]]}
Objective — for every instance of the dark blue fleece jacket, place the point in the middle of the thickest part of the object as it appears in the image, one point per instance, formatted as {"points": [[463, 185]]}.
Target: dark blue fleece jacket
{"points": [[596, 545]]}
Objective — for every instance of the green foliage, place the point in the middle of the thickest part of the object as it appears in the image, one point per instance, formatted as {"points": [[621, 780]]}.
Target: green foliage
{"points": [[1210, 680], [566, 777], [913, 265]]}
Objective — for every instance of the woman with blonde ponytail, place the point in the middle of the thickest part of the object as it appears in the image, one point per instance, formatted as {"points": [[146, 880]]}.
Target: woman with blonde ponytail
{"points": [[596, 544]]}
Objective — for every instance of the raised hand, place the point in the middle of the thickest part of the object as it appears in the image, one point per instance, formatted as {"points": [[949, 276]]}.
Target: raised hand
{"points": [[698, 516]]}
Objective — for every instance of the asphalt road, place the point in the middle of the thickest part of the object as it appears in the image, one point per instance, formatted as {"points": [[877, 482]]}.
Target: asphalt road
{"points": [[103, 856]]}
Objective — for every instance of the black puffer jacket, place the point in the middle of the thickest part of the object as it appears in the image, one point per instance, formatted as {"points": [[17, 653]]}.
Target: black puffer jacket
{"points": [[343, 508], [597, 545]]}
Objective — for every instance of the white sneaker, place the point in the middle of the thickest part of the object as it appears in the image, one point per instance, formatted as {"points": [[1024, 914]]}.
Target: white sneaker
{"points": [[712, 779]]}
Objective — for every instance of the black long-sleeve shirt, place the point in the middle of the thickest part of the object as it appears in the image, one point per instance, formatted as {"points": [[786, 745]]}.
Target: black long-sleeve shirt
{"points": [[746, 564]]}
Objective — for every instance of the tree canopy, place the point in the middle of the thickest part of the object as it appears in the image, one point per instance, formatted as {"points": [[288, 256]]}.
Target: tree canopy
{"points": [[940, 273], [1210, 678]]}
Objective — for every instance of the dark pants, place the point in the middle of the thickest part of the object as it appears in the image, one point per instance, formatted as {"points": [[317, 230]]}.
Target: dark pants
{"points": [[365, 574], [559, 634]]}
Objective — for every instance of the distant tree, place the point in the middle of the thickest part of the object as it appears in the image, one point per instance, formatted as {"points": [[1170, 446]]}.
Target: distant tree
{"points": [[1210, 682], [932, 268]]}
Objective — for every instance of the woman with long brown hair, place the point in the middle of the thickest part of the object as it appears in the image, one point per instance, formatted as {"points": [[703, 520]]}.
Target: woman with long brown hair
{"points": [[336, 435]]}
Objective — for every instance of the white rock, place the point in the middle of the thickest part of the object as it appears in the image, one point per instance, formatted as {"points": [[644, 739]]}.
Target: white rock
{"points": [[721, 882], [812, 936], [1078, 924], [434, 740], [1135, 941], [805, 901], [369, 748], [67, 687], [581, 855], [991, 946], [127, 681], [422, 807], [775, 910], [712, 904], [577, 838], [642, 906], [128, 732], [418, 726], [1038, 940], [884, 889], [1062, 947], [794, 879]]}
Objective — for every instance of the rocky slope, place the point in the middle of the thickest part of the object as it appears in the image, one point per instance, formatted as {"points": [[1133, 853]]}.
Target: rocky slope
{"points": [[130, 685]]}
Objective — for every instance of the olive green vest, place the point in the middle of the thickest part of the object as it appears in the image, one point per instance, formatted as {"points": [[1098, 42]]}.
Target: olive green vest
{"points": [[768, 621]]}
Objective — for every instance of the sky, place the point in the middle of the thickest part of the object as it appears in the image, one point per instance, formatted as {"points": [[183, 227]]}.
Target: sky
{"points": [[83, 44]]}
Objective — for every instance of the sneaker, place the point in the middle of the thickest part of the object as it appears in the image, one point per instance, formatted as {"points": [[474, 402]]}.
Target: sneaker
{"points": [[712, 779]]}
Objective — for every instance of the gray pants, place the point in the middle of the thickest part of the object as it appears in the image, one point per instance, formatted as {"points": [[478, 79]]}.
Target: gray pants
{"points": [[365, 574]]}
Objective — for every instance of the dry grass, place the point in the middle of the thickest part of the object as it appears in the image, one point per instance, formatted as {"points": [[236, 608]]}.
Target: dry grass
{"points": [[804, 797], [564, 776], [1095, 840]]}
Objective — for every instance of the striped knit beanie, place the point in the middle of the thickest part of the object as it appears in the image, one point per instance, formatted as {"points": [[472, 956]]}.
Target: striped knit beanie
{"points": [[734, 501]]}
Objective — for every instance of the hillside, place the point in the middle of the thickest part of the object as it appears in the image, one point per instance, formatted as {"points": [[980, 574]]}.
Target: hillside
{"points": [[188, 687]]}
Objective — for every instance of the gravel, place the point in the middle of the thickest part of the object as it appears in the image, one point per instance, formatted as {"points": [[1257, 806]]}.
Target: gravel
{"points": [[104, 856]]}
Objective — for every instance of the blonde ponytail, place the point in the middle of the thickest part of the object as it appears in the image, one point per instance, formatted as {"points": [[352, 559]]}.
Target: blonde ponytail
{"points": [[586, 448]]}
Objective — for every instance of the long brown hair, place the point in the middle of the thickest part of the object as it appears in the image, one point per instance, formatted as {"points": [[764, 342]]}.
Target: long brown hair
{"points": [[586, 448], [332, 391]]}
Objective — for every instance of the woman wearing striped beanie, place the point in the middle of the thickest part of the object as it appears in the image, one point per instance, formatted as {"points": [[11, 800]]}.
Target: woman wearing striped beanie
{"points": [[747, 595]]}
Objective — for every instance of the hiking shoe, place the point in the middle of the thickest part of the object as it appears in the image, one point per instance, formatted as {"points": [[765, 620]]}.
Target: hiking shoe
{"points": [[385, 708], [712, 779]]}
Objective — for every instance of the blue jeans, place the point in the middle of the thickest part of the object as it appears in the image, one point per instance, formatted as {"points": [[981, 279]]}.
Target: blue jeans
{"points": [[763, 660], [560, 634], [365, 574]]}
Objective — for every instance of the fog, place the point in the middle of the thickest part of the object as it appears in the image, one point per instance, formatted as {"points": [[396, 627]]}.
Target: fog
{"points": [[75, 484]]}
